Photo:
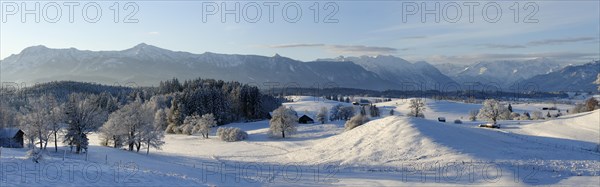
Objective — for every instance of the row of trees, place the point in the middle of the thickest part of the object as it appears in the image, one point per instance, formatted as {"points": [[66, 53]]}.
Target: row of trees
{"points": [[124, 116], [44, 117]]}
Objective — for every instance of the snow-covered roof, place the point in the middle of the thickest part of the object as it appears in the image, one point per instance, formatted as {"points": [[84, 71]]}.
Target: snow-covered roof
{"points": [[8, 132]]}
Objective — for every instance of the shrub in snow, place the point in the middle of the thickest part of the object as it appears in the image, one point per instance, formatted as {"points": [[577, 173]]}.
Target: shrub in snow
{"points": [[515, 116], [536, 115], [591, 104], [177, 130], [457, 121], [186, 129], [356, 121], [524, 117], [231, 134], [171, 128], [35, 155]]}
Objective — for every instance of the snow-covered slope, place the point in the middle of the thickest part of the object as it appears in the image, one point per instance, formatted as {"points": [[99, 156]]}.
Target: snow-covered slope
{"points": [[388, 141], [581, 127], [392, 151]]}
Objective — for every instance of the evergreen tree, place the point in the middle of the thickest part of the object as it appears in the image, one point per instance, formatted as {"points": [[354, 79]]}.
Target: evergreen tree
{"points": [[84, 115]]}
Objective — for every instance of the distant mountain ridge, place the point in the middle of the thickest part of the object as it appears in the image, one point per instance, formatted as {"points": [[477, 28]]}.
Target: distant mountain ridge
{"points": [[147, 65], [570, 78]]}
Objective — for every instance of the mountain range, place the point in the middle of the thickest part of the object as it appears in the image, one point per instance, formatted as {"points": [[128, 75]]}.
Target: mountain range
{"points": [[146, 65]]}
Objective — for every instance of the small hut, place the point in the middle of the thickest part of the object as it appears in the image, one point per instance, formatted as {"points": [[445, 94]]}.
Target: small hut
{"points": [[11, 137], [304, 119]]}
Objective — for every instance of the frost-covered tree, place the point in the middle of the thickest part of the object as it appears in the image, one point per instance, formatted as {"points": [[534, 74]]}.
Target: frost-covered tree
{"points": [[175, 116], [492, 110], [346, 112], [189, 124], [152, 136], [42, 118], [417, 107], [160, 119], [334, 113], [283, 121], [133, 125], [473, 115], [206, 122], [356, 121], [57, 119], [83, 114], [322, 115], [112, 132]]}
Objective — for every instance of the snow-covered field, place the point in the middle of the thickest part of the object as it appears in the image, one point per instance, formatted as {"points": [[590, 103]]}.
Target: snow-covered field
{"points": [[387, 151]]}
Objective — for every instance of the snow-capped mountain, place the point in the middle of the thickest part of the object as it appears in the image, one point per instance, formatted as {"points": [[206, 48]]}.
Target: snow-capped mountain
{"points": [[409, 75], [147, 65], [499, 73], [570, 78]]}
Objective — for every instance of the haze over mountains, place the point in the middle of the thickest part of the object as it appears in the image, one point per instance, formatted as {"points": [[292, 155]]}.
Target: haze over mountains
{"points": [[147, 65]]}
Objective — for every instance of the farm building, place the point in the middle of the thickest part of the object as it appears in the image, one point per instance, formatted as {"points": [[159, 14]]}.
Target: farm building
{"points": [[304, 119], [11, 137]]}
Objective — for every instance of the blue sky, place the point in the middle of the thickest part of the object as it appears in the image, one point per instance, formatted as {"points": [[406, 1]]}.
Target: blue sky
{"points": [[565, 30]]}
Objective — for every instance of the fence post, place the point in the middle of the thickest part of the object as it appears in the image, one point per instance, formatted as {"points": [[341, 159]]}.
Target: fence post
{"points": [[86, 156], [64, 154], [106, 158]]}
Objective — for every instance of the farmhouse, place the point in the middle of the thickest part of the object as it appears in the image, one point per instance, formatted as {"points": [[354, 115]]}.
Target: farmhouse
{"points": [[11, 137], [304, 119]]}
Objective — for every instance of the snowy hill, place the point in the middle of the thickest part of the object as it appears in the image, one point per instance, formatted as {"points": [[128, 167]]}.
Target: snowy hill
{"points": [[582, 127]]}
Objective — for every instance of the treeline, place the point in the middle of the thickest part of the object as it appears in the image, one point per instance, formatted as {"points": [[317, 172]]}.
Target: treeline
{"points": [[436, 94], [62, 89], [227, 101]]}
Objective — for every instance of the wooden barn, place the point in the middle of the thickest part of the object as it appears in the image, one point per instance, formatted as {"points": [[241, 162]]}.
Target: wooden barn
{"points": [[304, 119], [11, 137]]}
